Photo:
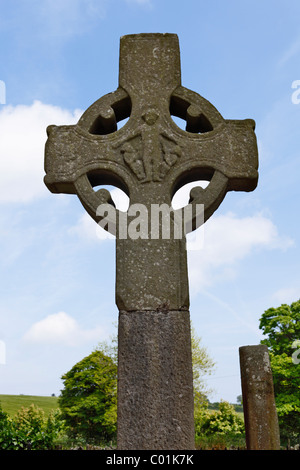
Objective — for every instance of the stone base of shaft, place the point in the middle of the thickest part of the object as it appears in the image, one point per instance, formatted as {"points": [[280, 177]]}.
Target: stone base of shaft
{"points": [[155, 381], [261, 422]]}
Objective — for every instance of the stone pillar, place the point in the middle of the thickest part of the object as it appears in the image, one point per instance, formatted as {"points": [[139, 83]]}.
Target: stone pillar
{"points": [[261, 422], [155, 393]]}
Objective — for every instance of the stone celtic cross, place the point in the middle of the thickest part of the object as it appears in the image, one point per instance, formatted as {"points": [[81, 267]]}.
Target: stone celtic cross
{"points": [[150, 158]]}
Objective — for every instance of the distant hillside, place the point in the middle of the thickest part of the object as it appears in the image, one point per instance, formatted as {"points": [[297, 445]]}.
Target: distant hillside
{"points": [[12, 403], [215, 406]]}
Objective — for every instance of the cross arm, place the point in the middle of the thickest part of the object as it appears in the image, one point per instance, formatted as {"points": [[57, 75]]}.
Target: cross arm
{"points": [[84, 148], [81, 156], [212, 143], [212, 148]]}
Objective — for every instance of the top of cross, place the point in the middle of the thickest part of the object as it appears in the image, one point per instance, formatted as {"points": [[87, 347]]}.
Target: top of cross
{"points": [[150, 157]]}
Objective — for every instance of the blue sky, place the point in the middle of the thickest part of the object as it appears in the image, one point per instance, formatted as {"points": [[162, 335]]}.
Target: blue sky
{"points": [[57, 270]]}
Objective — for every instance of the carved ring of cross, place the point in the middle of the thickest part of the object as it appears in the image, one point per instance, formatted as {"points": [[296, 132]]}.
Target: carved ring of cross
{"points": [[101, 119]]}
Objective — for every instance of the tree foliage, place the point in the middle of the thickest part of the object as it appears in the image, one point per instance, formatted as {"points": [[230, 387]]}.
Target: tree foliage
{"points": [[282, 327], [222, 421], [219, 428], [202, 363], [29, 429], [88, 400]]}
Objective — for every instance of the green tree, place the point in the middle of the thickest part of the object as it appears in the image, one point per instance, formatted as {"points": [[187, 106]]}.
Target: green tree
{"points": [[282, 327], [202, 365], [88, 400], [239, 399]]}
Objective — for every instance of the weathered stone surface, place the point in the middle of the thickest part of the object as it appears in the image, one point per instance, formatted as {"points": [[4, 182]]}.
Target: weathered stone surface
{"points": [[155, 381], [150, 158], [261, 422]]}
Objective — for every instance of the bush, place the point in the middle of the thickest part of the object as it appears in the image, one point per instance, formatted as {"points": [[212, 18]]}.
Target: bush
{"points": [[219, 429], [29, 429]]}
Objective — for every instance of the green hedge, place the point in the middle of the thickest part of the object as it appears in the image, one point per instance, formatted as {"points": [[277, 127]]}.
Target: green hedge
{"points": [[29, 429]]}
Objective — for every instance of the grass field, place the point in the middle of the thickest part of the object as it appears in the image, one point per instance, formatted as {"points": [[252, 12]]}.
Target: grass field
{"points": [[12, 403]]}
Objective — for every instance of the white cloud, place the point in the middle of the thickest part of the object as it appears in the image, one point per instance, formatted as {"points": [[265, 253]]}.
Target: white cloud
{"points": [[181, 197], [287, 295], [227, 240], [60, 328], [120, 199], [22, 141], [67, 18], [87, 229]]}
